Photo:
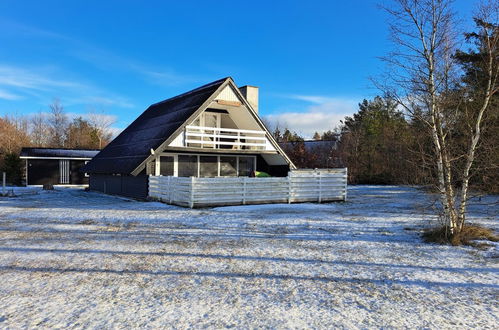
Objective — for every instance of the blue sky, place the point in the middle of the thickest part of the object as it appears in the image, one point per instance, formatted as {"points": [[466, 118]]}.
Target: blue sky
{"points": [[311, 59]]}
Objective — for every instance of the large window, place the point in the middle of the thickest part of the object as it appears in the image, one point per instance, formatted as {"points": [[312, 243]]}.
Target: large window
{"points": [[208, 166], [187, 165], [166, 165], [228, 166]]}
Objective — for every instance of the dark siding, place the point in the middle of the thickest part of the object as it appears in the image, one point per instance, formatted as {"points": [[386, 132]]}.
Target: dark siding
{"points": [[124, 185], [279, 170], [46, 171], [77, 177], [43, 171]]}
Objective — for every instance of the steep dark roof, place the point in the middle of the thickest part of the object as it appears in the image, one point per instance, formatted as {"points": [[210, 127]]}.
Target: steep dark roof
{"points": [[59, 152], [129, 149]]}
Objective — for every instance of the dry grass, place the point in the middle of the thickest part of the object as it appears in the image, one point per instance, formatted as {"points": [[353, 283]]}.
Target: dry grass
{"points": [[466, 236]]}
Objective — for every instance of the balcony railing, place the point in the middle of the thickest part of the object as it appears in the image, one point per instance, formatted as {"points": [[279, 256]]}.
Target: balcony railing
{"points": [[224, 138]]}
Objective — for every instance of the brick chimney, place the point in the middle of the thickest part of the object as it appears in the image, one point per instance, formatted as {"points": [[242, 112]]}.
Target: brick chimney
{"points": [[250, 93]]}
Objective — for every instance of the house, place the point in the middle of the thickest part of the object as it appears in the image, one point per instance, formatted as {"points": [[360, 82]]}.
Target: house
{"points": [[56, 166], [210, 133]]}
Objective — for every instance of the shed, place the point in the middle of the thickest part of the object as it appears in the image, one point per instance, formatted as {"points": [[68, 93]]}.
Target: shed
{"points": [[57, 166]]}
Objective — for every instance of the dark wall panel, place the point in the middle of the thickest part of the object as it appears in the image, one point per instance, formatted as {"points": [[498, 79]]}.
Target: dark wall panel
{"points": [[46, 171], [43, 171], [124, 185], [276, 170], [77, 177]]}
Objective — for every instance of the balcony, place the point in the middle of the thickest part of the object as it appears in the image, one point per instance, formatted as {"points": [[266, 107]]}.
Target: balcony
{"points": [[225, 138]]}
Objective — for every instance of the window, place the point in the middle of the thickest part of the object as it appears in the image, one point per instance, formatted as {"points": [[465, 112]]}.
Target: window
{"points": [[208, 166], [246, 166], [201, 165], [228, 166], [187, 165], [166, 165], [211, 119]]}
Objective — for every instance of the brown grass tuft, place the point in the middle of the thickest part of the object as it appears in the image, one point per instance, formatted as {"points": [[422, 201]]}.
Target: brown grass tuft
{"points": [[468, 234]]}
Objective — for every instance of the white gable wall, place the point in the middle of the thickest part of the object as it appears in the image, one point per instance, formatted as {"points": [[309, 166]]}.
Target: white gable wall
{"points": [[227, 94], [178, 141]]}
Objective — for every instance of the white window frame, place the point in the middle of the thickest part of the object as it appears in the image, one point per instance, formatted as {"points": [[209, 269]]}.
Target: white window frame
{"points": [[86, 174], [175, 161]]}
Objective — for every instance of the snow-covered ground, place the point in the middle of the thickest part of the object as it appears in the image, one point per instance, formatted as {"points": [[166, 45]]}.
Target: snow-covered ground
{"points": [[70, 258]]}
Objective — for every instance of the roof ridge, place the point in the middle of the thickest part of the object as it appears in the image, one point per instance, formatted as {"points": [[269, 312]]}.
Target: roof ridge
{"points": [[193, 90]]}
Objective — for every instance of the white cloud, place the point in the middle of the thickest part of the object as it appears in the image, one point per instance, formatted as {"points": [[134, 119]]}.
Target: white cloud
{"points": [[17, 28], [9, 96], [325, 114], [98, 101], [317, 99], [45, 83], [21, 78]]}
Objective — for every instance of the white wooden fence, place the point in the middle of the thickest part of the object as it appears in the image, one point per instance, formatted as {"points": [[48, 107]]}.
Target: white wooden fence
{"points": [[299, 186]]}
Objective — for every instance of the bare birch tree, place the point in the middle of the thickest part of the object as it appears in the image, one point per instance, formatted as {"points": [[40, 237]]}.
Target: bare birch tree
{"points": [[424, 80]]}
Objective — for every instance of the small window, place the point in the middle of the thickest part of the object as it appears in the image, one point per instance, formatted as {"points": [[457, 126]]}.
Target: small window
{"points": [[187, 165]]}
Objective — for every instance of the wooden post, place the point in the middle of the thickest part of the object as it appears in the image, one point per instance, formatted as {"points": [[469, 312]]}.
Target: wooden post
{"points": [[215, 146], [320, 187], [289, 189], [191, 202], [346, 184], [244, 190], [4, 183], [168, 186]]}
